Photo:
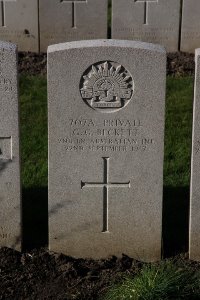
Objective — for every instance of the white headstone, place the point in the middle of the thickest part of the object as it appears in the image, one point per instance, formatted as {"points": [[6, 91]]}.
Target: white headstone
{"points": [[10, 189], [19, 23], [72, 20], [106, 131], [194, 247], [154, 21], [190, 29]]}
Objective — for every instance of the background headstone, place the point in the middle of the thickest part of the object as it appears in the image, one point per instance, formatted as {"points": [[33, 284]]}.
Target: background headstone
{"points": [[194, 248], [154, 21], [106, 130], [190, 29], [72, 20], [10, 189], [19, 23]]}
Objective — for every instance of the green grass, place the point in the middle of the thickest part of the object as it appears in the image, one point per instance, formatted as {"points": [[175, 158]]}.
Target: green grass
{"points": [[159, 282], [178, 131], [33, 111]]}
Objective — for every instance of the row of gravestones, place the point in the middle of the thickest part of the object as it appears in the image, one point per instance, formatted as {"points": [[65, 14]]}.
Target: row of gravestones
{"points": [[35, 24], [106, 103]]}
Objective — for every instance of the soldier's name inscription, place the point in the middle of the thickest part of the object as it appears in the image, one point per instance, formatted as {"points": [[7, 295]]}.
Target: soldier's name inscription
{"points": [[110, 135]]}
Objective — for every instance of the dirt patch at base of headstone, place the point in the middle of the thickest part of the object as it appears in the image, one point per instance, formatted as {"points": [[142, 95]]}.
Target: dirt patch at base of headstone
{"points": [[42, 275], [32, 63], [178, 63]]}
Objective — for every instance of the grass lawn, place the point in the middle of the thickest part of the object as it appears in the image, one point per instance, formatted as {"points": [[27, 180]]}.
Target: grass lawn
{"points": [[178, 131], [167, 280], [33, 115]]}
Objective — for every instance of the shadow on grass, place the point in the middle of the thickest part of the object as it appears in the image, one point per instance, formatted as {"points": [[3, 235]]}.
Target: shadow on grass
{"points": [[175, 220], [35, 218]]}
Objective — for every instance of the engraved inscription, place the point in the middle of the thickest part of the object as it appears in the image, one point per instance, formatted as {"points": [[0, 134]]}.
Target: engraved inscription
{"points": [[107, 86], [116, 135], [3, 234], [52, 35], [6, 84], [5, 149], [3, 12], [197, 147], [146, 8], [106, 184], [73, 2], [153, 34]]}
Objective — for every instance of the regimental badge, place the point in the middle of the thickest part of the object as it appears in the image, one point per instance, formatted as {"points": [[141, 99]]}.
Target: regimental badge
{"points": [[107, 86]]}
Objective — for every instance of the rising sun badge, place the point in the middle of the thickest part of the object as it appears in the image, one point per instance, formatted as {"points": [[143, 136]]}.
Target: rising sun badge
{"points": [[107, 86]]}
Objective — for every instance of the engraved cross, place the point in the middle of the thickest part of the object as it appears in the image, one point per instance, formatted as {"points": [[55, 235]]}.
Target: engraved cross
{"points": [[146, 8], [73, 2], [3, 11], [106, 184]]}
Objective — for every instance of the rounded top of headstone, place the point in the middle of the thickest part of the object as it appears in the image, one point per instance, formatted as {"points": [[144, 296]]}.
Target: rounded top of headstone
{"points": [[8, 46], [106, 43]]}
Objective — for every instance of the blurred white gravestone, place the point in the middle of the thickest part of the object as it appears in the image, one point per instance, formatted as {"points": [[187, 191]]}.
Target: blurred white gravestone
{"points": [[10, 189], [190, 29], [19, 23], [106, 131], [194, 244], [146, 9], [154, 21], [71, 20], [74, 4], [3, 11]]}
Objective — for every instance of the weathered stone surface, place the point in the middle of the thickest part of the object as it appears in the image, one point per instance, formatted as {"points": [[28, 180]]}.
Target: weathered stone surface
{"points": [[194, 249], [154, 21], [190, 29], [106, 124], [19, 23], [10, 189], [72, 20]]}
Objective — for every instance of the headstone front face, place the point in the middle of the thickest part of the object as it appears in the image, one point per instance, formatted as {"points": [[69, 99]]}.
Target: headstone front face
{"points": [[106, 125], [194, 246], [154, 21], [72, 20], [10, 189], [190, 29], [19, 23]]}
